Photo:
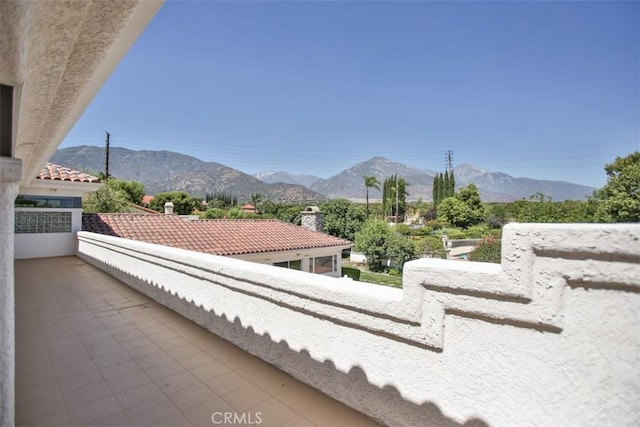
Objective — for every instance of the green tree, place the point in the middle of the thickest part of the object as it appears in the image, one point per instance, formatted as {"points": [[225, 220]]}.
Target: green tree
{"points": [[619, 199], [105, 199], [371, 241], [470, 196], [215, 213], [464, 209], [256, 198], [436, 192], [378, 241], [183, 203], [394, 195], [399, 249], [370, 181], [133, 191], [342, 218]]}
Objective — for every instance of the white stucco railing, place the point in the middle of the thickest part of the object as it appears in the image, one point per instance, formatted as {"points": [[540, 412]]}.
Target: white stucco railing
{"points": [[549, 337]]}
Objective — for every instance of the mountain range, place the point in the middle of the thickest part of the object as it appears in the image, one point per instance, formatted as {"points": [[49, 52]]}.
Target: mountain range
{"points": [[167, 171]]}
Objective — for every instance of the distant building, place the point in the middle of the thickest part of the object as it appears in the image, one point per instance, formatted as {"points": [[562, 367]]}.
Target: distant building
{"points": [[48, 212], [265, 241]]}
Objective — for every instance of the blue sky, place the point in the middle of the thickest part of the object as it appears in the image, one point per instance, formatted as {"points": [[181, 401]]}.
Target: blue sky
{"points": [[547, 90]]}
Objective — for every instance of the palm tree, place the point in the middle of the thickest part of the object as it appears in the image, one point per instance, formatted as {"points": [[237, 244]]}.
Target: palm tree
{"points": [[370, 181]]}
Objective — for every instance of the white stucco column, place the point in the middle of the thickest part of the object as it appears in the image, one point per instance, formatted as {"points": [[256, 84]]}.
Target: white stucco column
{"points": [[10, 176]]}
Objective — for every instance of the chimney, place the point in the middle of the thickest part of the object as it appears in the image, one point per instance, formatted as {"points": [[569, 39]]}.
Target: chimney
{"points": [[168, 208], [312, 219]]}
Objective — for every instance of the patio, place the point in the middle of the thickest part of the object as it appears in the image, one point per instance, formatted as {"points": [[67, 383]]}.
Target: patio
{"points": [[92, 351]]}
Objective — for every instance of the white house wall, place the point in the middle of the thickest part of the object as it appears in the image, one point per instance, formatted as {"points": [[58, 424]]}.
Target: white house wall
{"points": [[303, 254], [42, 245], [549, 337]]}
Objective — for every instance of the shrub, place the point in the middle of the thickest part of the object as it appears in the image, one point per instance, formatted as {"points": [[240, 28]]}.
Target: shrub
{"points": [[488, 250], [402, 229], [454, 233], [431, 247], [477, 231], [351, 272]]}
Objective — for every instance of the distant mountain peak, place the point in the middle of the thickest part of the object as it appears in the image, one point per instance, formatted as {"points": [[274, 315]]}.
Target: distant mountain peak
{"points": [[166, 170]]}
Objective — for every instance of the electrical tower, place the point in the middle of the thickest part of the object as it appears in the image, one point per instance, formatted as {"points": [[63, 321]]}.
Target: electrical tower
{"points": [[448, 158]]}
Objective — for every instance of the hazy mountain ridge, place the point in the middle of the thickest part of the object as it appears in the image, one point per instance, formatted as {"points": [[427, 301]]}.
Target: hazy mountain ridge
{"points": [[271, 177], [166, 171], [161, 171]]}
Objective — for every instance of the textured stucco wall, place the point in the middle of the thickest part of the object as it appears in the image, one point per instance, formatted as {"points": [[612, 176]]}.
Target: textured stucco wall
{"points": [[550, 337], [10, 176]]}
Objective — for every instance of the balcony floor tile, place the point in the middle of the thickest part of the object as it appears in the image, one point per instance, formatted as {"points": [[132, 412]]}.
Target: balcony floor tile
{"points": [[91, 351]]}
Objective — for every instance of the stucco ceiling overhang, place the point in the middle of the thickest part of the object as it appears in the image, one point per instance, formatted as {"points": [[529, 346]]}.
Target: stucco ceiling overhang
{"points": [[57, 55]]}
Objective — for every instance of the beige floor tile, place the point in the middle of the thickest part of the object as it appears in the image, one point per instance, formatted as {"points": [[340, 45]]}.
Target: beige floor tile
{"points": [[245, 397], [88, 394], [196, 359], [32, 411], [84, 415], [128, 382], [299, 396], [80, 380], [273, 412], [210, 370], [126, 336], [328, 412], [139, 395], [144, 350], [191, 396], [119, 419], [201, 415], [153, 359], [164, 370], [174, 342], [176, 420], [134, 343], [68, 369], [163, 333], [224, 383], [81, 362], [149, 413], [35, 374], [37, 392], [119, 370], [182, 351], [176, 382], [58, 419], [111, 359], [297, 421]]}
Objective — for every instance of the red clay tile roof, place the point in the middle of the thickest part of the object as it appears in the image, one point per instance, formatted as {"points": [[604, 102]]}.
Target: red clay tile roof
{"points": [[60, 173], [146, 199], [218, 236]]}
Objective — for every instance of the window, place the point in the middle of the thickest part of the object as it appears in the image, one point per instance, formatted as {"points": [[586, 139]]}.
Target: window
{"points": [[42, 222], [6, 121], [325, 264], [24, 201], [293, 265]]}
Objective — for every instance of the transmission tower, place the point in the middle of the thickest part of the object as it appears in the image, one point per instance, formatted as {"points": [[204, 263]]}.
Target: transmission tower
{"points": [[448, 158]]}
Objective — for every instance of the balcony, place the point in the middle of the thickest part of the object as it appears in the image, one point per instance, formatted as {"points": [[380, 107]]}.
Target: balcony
{"points": [[92, 351], [134, 333]]}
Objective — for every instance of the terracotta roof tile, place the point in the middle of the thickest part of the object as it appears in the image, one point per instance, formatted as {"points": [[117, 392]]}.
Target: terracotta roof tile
{"points": [[218, 237], [60, 173]]}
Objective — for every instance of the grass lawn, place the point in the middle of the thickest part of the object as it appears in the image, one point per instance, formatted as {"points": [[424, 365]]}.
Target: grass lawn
{"points": [[381, 279]]}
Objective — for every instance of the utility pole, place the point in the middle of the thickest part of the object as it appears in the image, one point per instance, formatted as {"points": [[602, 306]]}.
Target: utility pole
{"points": [[448, 156], [106, 160]]}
